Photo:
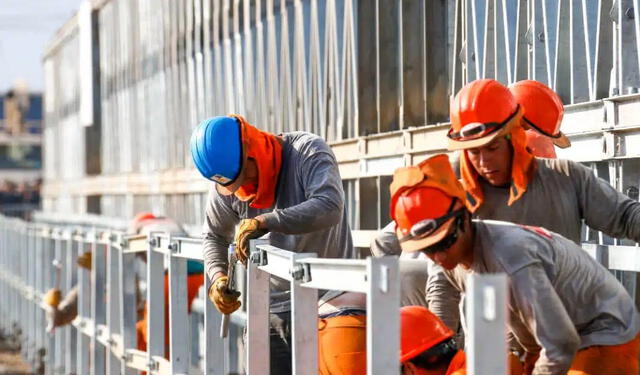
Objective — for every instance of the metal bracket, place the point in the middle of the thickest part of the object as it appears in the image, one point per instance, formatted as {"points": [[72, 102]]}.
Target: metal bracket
{"points": [[173, 247], [259, 258], [152, 365], [301, 272]]}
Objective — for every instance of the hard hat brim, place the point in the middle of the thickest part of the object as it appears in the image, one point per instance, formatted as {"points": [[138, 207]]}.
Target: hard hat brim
{"points": [[479, 142], [230, 189], [562, 141], [419, 244]]}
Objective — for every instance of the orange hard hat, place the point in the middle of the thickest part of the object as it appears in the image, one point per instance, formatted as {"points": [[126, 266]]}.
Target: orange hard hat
{"points": [[543, 109], [422, 202], [420, 330], [482, 111]]}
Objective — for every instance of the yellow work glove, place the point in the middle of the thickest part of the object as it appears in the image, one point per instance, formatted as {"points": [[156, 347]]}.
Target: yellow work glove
{"points": [[249, 229], [225, 301], [84, 260], [52, 297]]}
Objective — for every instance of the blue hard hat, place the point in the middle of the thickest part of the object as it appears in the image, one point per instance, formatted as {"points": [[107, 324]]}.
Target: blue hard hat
{"points": [[216, 149]]}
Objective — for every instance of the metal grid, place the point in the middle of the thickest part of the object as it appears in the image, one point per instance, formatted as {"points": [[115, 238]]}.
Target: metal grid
{"points": [[366, 75]]}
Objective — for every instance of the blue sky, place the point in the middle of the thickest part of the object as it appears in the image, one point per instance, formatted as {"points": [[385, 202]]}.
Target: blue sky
{"points": [[26, 27]]}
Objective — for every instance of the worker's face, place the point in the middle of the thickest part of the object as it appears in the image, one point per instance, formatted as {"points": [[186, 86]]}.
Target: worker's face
{"points": [[247, 173], [493, 161], [459, 252]]}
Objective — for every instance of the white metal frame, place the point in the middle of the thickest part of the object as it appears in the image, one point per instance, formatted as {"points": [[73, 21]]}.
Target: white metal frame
{"points": [[102, 339]]}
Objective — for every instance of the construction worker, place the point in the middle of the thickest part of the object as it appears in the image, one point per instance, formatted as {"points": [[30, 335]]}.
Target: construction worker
{"points": [[543, 113], [427, 345], [62, 312], [541, 119], [288, 186], [504, 181], [146, 223], [585, 325]]}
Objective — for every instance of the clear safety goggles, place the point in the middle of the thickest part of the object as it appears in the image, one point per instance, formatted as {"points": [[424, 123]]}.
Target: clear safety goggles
{"points": [[427, 227], [477, 130]]}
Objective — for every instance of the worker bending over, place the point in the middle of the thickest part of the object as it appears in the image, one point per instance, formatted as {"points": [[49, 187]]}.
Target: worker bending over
{"points": [[565, 309], [288, 186]]}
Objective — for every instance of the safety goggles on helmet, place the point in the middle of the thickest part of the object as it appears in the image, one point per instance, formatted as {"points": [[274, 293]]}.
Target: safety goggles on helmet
{"points": [[427, 227], [477, 130]]}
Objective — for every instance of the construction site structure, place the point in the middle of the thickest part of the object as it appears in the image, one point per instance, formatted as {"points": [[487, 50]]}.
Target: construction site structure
{"points": [[127, 81]]}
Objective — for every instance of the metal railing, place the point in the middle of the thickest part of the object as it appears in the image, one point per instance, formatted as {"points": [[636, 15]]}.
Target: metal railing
{"points": [[103, 339]]}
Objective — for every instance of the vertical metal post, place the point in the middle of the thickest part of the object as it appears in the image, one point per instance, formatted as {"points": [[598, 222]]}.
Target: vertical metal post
{"points": [[155, 302], [486, 315], [49, 254], [113, 302], [61, 333], [31, 254], [127, 300], [84, 304], [304, 318], [258, 358], [178, 316], [213, 344], [40, 324], [383, 318], [98, 313], [71, 281]]}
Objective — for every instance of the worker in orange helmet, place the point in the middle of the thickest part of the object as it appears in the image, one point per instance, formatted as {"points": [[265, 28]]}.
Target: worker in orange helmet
{"points": [[504, 181], [542, 116], [580, 325], [543, 111], [427, 345]]}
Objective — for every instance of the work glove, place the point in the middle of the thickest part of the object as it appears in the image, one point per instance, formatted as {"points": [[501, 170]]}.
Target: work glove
{"points": [[84, 260], [52, 297], [226, 301], [249, 229], [64, 313]]}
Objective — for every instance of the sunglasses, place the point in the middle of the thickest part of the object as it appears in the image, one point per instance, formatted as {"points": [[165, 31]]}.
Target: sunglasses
{"points": [[444, 244], [477, 130]]}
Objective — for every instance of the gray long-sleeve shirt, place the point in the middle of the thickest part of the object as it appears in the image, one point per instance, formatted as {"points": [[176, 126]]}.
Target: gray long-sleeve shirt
{"points": [[308, 216], [561, 194], [560, 299]]}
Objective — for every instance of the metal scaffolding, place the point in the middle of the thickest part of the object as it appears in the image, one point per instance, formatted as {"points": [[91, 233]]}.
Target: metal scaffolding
{"points": [[128, 80]]}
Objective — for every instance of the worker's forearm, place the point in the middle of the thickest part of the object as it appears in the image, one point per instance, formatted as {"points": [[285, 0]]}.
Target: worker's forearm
{"points": [[605, 208], [312, 215], [386, 242], [215, 255], [443, 298]]}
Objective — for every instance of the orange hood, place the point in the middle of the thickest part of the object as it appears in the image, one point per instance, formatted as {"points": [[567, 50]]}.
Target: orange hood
{"points": [[265, 149]]}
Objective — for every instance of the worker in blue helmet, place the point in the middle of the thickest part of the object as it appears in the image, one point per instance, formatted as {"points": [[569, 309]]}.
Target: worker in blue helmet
{"points": [[285, 185]]}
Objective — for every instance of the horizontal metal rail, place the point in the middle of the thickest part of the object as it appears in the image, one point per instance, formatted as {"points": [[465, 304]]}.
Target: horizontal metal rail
{"points": [[102, 338]]}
